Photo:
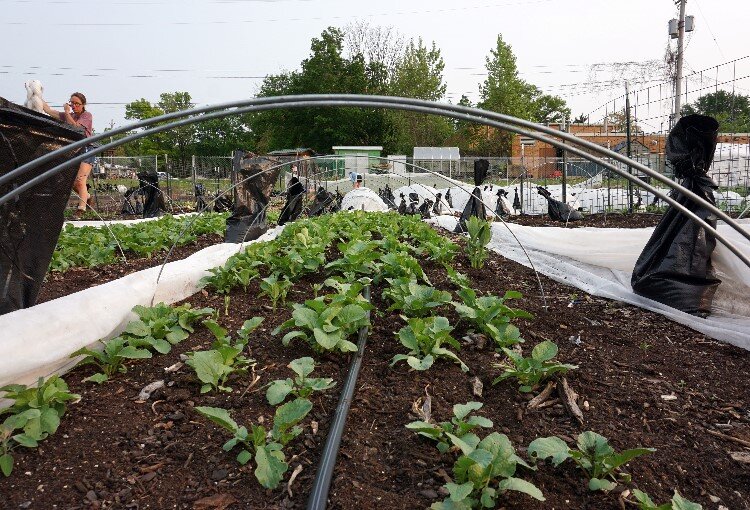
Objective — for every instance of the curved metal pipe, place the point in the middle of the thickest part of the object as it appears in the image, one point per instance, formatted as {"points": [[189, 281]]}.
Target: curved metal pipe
{"points": [[380, 102], [347, 100]]}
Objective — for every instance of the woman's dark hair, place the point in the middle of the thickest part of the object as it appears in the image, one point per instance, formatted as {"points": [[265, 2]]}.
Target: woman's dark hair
{"points": [[81, 97]]}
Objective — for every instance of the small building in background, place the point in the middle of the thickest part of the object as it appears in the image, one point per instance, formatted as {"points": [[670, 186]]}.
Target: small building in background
{"points": [[444, 160], [359, 158]]}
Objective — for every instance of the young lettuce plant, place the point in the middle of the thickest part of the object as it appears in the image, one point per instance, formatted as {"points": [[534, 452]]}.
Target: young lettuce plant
{"points": [[359, 258], [645, 502], [160, 327], [35, 413], [530, 372], [459, 428], [213, 367], [483, 472], [301, 386], [490, 315], [413, 299], [424, 339], [399, 264], [326, 322], [276, 288], [594, 456], [476, 245], [238, 270], [111, 359], [265, 447]]}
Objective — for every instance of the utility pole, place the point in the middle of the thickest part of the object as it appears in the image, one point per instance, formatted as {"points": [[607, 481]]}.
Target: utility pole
{"points": [[678, 71], [566, 128], [628, 146]]}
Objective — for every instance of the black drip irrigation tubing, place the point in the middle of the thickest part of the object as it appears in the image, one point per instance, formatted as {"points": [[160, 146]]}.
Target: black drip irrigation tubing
{"points": [[319, 493]]}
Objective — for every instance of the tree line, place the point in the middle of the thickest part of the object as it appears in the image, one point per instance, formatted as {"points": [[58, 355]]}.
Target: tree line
{"points": [[365, 59]]}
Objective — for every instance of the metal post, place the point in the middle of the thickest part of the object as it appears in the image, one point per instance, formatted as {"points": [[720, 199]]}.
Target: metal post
{"points": [[565, 127], [629, 149], [678, 71]]}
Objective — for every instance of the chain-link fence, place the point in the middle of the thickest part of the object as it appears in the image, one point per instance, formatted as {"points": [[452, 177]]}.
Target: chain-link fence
{"points": [[585, 184]]}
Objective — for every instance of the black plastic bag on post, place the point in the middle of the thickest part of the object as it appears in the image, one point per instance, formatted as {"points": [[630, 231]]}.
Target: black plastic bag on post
{"points": [[475, 206], [153, 201], [30, 224], [255, 182], [323, 202], [295, 193], [557, 210], [675, 267]]}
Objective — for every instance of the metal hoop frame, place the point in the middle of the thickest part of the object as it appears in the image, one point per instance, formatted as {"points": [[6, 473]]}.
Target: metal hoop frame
{"points": [[574, 144]]}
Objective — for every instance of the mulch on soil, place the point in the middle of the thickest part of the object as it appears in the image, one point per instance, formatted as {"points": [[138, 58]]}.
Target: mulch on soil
{"points": [[112, 451], [609, 220], [79, 278]]}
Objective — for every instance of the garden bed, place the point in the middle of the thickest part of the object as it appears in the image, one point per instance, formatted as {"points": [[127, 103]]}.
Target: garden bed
{"points": [[80, 278], [642, 381]]}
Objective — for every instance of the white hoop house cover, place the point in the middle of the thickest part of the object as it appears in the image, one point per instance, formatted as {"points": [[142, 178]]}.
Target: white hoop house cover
{"points": [[600, 261]]}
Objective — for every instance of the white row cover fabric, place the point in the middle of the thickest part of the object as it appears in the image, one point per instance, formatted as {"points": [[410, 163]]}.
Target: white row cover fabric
{"points": [[100, 223], [363, 199], [37, 341], [600, 261]]}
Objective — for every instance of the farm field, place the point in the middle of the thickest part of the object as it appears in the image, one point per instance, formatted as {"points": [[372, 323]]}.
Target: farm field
{"points": [[641, 382]]}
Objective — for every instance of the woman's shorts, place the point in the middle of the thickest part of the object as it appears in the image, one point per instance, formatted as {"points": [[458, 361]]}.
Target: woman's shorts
{"points": [[92, 160]]}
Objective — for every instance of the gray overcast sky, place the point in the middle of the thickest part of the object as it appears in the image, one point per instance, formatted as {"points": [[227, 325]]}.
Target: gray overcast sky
{"points": [[219, 50]]}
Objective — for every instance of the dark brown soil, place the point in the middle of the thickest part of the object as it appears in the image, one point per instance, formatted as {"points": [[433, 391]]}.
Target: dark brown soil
{"points": [[79, 278], [610, 220], [114, 452]]}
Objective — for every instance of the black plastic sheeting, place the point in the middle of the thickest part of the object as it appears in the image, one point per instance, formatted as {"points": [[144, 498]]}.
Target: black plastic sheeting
{"points": [[675, 267], [325, 202], [295, 194], [153, 198], [475, 206], [557, 210], [248, 219], [30, 225]]}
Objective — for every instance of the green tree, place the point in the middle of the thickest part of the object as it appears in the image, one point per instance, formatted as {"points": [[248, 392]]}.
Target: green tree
{"points": [[325, 71], [175, 142], [420, 76], [503, 91], [731, 110]]}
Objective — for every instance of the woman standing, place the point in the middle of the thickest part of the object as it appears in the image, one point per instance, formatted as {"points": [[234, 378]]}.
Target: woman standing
{"points": [[75, 114]]}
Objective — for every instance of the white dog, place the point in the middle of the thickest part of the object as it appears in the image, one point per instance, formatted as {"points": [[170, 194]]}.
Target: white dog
{"points": [[34, 100]]}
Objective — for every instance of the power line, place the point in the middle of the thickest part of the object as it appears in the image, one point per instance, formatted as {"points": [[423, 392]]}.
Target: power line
{"points": [[290, 19]]}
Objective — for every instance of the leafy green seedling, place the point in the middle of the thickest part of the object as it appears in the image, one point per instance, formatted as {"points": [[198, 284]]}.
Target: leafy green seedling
{"points": [[483, 472], [460, 280], [459, 427], [213, 367], [490, 315], [35, 413], [424, 339], [476, 245], [594, 456], [326, 322], [359, 258], [111, 359], [276, 288], [532, 371], [160, 327], [644, 502], [50, 394], [301, 386], [224, 340], [413, 299], [268, 451], [398, 264], [238, 270]]}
